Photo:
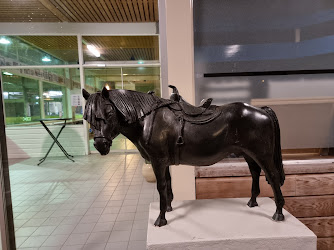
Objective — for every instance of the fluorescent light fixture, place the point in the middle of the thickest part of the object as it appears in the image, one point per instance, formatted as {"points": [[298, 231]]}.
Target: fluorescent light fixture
{"points": [[4, 41], [125, 74], [107, 86], [92, 49], [7, 73], [101, 65], [46, 59], [140, 62]]}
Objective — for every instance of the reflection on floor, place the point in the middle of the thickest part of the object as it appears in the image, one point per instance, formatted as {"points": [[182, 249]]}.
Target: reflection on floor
{"points": [[95, 203]]}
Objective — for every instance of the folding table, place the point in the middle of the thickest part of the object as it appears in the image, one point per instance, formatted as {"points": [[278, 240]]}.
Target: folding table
{"points": [[55, 139]]}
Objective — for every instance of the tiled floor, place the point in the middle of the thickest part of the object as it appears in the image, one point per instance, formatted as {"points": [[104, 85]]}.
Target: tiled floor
{"points": [[98, 202]]}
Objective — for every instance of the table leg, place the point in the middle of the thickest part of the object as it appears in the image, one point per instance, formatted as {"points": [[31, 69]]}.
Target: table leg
{"points": [[55, 140]]}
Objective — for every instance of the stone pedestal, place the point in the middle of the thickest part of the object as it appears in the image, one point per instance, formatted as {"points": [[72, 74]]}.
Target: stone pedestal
{"points": [[227, 224]]}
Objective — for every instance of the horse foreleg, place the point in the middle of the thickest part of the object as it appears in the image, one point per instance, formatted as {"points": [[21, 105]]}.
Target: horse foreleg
{"points": [[170, 195], [255, 172], [160, 174]]}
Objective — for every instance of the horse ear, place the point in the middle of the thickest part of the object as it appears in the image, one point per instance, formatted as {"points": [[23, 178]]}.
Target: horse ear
{"points": [[85, 94], [105, 93]]}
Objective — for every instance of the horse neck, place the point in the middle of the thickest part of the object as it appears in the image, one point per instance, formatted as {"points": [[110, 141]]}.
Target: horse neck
{"points": [[131, 131]]}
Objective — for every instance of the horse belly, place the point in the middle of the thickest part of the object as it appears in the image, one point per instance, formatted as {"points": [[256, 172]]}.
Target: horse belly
{"points": [[204, 145]]}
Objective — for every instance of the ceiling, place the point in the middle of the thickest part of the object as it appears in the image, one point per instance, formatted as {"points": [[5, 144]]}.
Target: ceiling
{"points": [[79, 11], [121, 48], [112, 48]]}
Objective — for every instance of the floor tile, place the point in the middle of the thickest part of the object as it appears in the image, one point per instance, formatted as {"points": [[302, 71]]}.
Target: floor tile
{"points": [[34, 241], [123, 225], [137, 245], [84, 228], [55, 240], [125, 216], [25, 231], [98, 237], [95, 203], [95, 246], [104, 226], [77, 239], [117, 245], [138, 234], [119, 236], [64, 229]]}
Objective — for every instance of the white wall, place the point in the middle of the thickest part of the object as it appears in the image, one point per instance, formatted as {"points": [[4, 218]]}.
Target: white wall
{"points": [[178, 24], [34, 141]]}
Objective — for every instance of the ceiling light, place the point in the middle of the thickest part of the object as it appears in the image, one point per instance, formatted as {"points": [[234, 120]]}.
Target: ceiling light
{"points": [[140, 62], [4, 41], [46, 59], [7, 73], [92, 49]]}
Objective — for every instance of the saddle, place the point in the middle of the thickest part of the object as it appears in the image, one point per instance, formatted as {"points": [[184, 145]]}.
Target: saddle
{"points": [[196, 115], [185, 112]]}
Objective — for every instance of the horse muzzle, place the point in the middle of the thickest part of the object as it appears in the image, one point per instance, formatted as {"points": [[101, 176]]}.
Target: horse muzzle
{"points": [[102, 145]]}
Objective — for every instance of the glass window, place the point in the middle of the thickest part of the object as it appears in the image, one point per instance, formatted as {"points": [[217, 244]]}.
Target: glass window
{"points": [[38, 50], [142, 79], [34, 94], [95, 80], [121, 48]]}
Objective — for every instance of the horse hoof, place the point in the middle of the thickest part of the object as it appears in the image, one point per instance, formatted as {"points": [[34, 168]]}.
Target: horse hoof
{"points": [[278, 217], [160, 222], [169, 208], [252, 203]]}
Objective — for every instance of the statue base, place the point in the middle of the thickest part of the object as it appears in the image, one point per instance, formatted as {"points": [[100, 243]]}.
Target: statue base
{"points": [[227, 224]]}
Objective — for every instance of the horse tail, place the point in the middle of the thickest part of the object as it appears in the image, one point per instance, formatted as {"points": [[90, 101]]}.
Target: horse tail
{"points": [[277, 143]]}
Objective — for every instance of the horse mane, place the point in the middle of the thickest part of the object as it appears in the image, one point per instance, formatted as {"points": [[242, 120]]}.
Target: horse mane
{"points": [[135, 105], [93, 111]]}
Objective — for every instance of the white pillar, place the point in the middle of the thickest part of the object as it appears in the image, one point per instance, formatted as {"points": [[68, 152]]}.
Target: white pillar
{"points": [[180, 61]]}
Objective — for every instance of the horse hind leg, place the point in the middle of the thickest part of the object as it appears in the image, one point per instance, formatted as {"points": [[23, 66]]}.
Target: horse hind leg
{"points": [[255, 172], [170, 195], [273, 178]]}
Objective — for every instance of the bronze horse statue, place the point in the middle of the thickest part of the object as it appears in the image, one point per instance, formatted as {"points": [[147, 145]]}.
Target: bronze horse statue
{"points": [[171, 132]]}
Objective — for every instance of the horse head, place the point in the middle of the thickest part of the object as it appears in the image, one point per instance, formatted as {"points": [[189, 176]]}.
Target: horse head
{"points": [[101, 114]]}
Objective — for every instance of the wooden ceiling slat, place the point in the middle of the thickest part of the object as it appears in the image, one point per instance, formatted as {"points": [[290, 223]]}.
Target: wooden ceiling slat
{"points": [[133, 15], [90, 8], [147, 13], [77, 10], [141, 11], [102, 11], [97, 10], [156, 10], [54, 10], [112, 11], [151, 7], [127, 12], [88, 11], [120, 7], [68, 8], [115, 7], [84, 13], [105, 7], [63, 9], [135, 7]]}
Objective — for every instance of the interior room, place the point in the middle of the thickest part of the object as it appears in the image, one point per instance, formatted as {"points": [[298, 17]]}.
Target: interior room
{"points": [[59, 192]]}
